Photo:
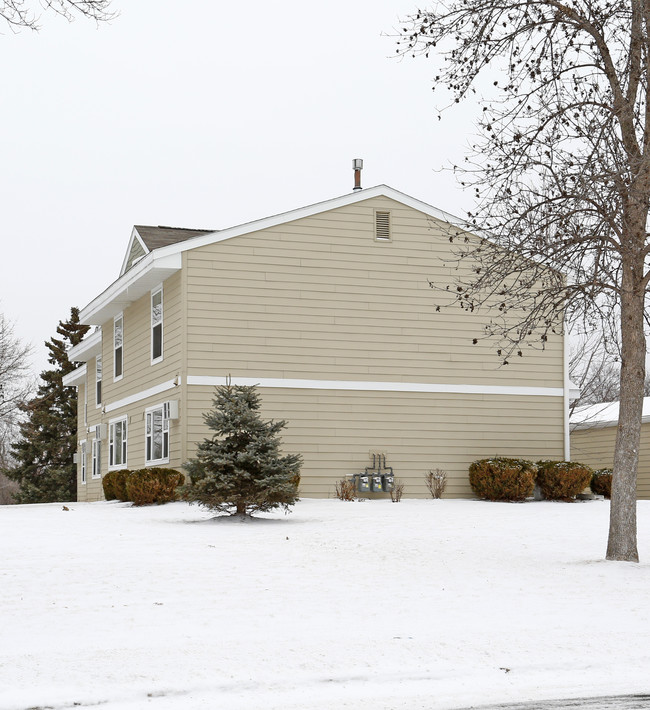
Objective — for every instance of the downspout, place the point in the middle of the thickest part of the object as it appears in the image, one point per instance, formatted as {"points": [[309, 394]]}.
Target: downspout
{"points": [[567, 391]]}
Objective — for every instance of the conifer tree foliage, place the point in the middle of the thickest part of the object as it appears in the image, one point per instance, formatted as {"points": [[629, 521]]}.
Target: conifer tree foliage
{"points": [[239, 468], [48, 436]]}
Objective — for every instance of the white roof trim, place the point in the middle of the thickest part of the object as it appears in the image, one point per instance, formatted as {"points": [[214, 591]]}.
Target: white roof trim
{"points": [[310, 210], [76, 377], [89, 347], [134, 237], [150, 271]]}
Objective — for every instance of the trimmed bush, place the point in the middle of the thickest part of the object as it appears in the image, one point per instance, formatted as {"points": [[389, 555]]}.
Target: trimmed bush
{"points": [[601, 482], [502, 479], [562, 480], [153, 485], [114, 486]]}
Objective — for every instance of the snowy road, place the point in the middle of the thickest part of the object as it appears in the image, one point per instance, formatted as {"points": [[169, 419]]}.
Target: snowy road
{"points": [[618, 702]]}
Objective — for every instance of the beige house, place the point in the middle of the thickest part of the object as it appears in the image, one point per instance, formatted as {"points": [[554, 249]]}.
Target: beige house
{"points": [[593, 437], [328, 309]]}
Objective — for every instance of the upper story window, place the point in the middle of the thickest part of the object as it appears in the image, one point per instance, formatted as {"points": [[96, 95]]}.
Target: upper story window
{"points": [[118, 347], [98, 380], [117, 438], [156, 325]]}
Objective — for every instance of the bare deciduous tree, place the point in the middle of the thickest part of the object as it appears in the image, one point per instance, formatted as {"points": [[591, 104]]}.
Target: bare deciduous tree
{"points": [[561, 174], [22, 13]]}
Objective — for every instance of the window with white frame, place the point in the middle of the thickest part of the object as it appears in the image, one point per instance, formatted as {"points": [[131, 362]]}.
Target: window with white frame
{"points": [[98, 381], [157, 434], [97, 458], [117, 436], [156, 325], [82, 453], [86, 400], [118, 347]]}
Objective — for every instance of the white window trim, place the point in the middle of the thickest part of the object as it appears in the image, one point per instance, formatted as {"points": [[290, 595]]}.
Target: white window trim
{"points": [[125, 440], [118, 317], [83, 472], [86, 400], [147, 411], [97, 381], [154, 291], [96, 470]]}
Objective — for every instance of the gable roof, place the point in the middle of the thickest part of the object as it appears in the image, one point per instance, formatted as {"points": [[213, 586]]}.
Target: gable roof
{"points": [[156, 237], [159, 263], [145, 239]]}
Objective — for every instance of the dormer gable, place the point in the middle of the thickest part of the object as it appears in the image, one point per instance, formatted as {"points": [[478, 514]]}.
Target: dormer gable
{"points": [[144, 239]]}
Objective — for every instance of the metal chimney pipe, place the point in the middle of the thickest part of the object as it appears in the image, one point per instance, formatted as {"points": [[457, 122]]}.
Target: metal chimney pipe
{"points": [[357, 166]]}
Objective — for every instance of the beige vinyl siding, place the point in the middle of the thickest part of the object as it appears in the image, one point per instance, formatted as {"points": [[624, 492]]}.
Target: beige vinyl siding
{"points": [[139, 373], [135, 455], [137, 252], [320, 298], [595, 447], [335, 431]]}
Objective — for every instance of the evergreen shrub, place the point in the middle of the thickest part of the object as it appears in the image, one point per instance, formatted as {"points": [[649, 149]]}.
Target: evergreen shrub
{"points": [[153, 485], [114, 483], [601, 482], [502, 478], [562, 480]]}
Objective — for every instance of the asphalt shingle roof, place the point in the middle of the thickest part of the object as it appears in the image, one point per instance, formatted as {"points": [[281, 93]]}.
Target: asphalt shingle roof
{"points": [[156, 237]]}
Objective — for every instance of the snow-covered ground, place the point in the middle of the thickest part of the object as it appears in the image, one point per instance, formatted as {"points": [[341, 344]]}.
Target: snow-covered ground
{"points": [[421, 604]]}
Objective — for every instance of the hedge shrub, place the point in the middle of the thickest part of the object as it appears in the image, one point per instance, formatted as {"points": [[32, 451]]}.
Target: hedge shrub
{"points": [[153, 485], [114, 484], [563, 480], [502, 478], [601, 482]]}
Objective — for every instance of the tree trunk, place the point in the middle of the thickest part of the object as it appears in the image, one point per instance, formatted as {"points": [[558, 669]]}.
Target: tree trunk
{"points": [[622, 521], [241, 508]]}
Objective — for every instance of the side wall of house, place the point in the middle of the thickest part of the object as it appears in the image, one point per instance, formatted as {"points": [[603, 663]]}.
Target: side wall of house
{"points": [[321, 301], [595, 447], [142, 385]]}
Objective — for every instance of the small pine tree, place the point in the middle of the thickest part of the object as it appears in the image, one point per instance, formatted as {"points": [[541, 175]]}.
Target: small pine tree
{"points": [[48, 436], [239, 468]]}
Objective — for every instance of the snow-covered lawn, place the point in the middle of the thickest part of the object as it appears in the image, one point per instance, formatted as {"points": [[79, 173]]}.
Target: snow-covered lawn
{"points": [[422, 604]]}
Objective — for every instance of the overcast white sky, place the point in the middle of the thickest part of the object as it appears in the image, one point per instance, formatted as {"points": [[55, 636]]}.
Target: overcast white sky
{"points": [[199, 114]]}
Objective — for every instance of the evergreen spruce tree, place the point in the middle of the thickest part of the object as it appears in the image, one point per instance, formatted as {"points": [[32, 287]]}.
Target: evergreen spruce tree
{"points": [[239, 468], [48, 436]]}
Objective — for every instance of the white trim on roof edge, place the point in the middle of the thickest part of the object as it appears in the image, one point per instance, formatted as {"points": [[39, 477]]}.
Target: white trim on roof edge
{"points": [[88, 348], [134, 236], [76, 377], [291, 383], [130, 285]]}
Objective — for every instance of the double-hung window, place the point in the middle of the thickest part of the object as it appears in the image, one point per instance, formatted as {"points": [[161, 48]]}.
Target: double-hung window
{"points": [[157, 434], [82, 447], [117, 437], [156, 325], [97, 457], [118, 347], [98, 381]]}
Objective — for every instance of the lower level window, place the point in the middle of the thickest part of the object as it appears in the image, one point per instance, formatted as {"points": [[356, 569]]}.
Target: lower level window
{"points": [[82, 453], [117, 444], [97, 458], [157, 436]]}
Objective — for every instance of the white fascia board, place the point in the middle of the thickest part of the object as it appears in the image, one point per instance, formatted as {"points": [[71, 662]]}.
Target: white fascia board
{"points": [[150, 271], [134, 236], [75, 378], [88, 348], [309, 211]]}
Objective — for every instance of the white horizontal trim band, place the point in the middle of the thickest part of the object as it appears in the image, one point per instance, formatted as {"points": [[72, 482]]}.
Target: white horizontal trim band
{"points": [[156, 389], [376, 386]]}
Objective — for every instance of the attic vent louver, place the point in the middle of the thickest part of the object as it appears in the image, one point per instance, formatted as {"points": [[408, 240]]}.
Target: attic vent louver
{"points": [[382, 225]]}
